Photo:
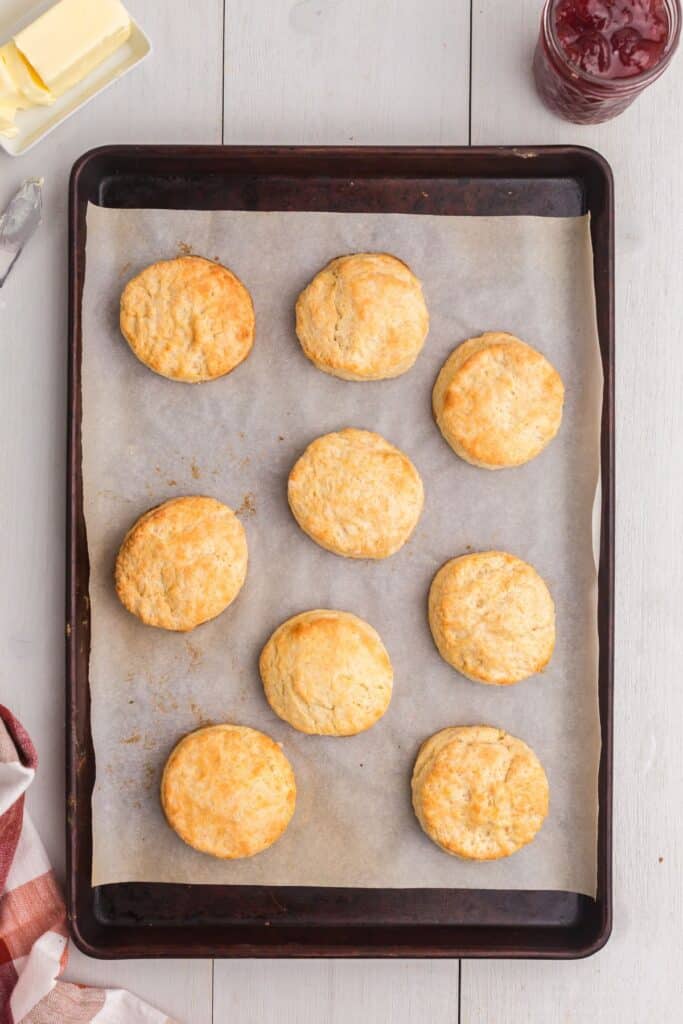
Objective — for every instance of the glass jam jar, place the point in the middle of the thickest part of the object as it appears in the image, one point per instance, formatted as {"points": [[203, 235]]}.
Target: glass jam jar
{"points": [[594, 57]]}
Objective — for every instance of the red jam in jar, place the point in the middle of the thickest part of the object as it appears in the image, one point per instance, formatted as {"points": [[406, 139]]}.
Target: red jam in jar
{"points": [[595, 56]]}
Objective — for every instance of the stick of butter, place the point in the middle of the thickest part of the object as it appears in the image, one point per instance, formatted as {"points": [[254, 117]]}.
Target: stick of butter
{"points": [[26, 82], [7, 125], [70, 39], [10, 93], [10, 99]]}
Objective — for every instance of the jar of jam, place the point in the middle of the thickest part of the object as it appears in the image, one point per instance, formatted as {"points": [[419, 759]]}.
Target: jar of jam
{"points": [[594, 57]]}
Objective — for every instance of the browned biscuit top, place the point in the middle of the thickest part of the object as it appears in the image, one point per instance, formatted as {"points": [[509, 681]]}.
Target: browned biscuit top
{"points": [[188, 319]]}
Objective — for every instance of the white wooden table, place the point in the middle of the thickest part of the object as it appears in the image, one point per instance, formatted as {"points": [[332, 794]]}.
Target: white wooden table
{"points": [[380, 71]]}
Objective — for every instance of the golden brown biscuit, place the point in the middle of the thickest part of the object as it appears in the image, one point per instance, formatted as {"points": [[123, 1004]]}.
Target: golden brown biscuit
{"points": [[355, 494], [188, 319], [492, 617], [497, 401], [228, 790], [327, 672], [182, 563], [478, 792], [363, 317]]}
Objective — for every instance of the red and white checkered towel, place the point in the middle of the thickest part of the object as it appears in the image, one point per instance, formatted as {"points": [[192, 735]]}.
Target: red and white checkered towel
{"points": [[33, 932]]}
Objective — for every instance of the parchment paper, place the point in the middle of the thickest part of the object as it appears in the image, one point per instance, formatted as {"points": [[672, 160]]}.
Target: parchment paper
{"points": [[146, 439]]}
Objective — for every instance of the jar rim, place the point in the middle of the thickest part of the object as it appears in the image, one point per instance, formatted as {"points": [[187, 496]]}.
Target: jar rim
{"points": [[614, 85]]}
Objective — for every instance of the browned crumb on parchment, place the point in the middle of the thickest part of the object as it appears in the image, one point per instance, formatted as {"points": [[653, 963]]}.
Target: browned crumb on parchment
{"points": [[106, 492], [195, 653], [154, 678], [164, 704], [248, 506], [150, 775], [202, 720], [195, 470], [184, 249], [134, 738], [125, 269], [172, 483]]}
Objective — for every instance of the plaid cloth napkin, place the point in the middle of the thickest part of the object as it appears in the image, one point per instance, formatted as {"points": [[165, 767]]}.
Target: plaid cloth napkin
{"points": [[33, 931]]}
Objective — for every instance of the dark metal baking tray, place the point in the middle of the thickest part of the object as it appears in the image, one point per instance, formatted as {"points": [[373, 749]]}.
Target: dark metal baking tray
{"points": [[153, 920]]}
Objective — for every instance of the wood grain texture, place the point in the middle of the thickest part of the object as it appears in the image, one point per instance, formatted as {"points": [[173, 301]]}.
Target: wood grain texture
{"points": [[162, 99], [336, 992], [637, 977], [181, 988], [346, 71]]}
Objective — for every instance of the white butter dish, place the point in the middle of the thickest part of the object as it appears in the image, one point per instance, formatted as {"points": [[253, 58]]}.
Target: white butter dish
{"points": [[37, 122]]}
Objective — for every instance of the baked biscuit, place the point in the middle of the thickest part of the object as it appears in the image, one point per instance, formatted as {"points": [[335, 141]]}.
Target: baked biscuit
{"points": [[478, 792], [228, 790], [492, 617], [355, 494], [363, 317], [188, 319], [497, 401], [327, 672], [182, 563]]}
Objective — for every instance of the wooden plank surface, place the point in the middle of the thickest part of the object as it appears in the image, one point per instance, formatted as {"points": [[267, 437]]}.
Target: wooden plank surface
{"points": [[163, 100], [336, 992], [637, 977], [346, 71]]}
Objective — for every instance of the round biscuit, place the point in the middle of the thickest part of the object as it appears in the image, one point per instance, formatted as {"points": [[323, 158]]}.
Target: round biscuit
{"points": [[188, 319], [182, 563], [228, 790], [497, 401], [355, 494], [363, 317], [492, 617], [327, 672], [478, 792]]}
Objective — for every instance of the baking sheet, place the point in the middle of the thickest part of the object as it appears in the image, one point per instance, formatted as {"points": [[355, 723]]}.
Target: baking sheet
{"points": [[146, 439]]}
